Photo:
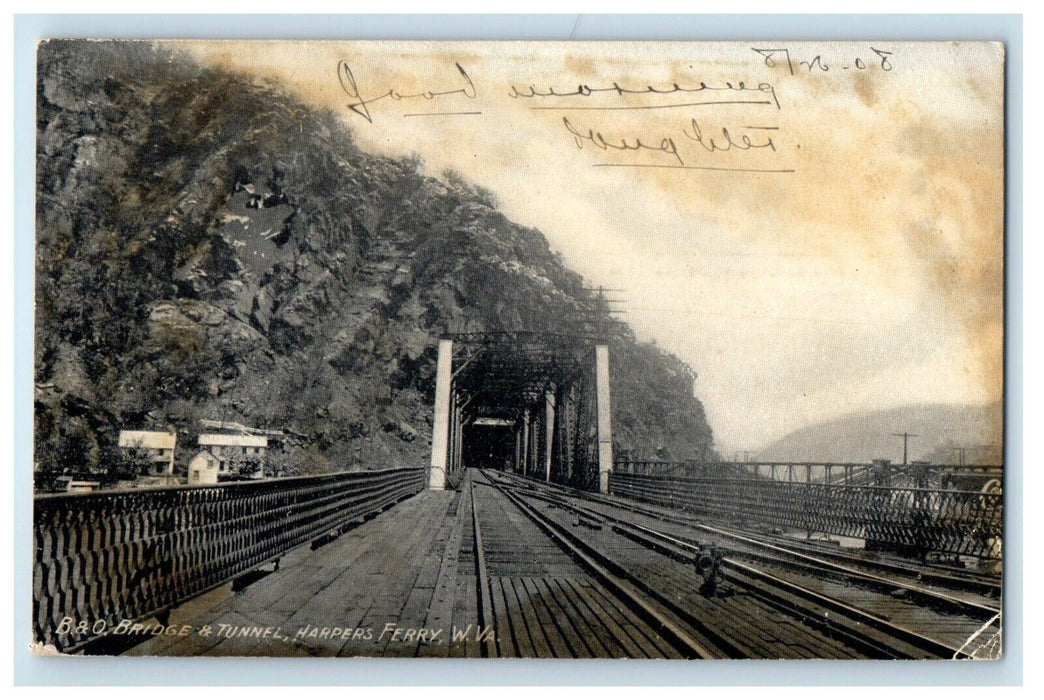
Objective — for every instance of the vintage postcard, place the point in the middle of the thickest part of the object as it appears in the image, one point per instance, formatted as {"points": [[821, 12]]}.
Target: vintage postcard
{"points": [[506, 349]]}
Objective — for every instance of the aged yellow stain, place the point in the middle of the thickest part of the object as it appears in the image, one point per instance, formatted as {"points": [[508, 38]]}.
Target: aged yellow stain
{"points": [[887, 236]]}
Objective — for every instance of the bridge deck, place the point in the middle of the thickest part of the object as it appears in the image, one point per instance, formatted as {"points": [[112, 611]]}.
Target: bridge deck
{"points": [[411, 582], [399, 567]]}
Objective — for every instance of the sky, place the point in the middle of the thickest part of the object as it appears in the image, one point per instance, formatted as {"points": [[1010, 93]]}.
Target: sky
{"points": [[816, 228]]}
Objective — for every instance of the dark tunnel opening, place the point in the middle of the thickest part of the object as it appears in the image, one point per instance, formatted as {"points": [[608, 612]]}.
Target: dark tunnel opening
{"points": [[488, 446]]}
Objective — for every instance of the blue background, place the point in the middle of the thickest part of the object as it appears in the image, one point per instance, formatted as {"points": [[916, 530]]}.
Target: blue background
{"points": [[33, 670]]}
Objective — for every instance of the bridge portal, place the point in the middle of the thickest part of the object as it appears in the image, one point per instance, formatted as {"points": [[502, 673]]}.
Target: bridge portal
{"points": [[532, 403]]}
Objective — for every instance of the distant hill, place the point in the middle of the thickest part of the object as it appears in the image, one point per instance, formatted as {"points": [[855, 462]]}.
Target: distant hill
{"points": [[862, 437]]}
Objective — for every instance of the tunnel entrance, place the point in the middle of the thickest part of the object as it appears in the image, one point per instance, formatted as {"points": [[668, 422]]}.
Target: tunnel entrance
{"points": [[488, 445], [535, 403]]}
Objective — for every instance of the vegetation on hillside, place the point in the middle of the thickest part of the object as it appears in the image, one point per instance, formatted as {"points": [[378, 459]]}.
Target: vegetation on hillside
{"points": [[208, 247]]}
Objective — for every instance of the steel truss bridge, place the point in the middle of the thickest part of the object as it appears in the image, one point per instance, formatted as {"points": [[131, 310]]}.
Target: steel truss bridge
{"points": [[523, 531]]}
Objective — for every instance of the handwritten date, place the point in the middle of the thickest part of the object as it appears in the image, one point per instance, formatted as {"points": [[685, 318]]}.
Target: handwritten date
{"points": [[782, 57]]}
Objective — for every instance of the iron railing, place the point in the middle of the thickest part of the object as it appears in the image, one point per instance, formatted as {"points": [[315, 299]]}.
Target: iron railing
{"points": [[959, 476], [104, 557], [919, 520]]}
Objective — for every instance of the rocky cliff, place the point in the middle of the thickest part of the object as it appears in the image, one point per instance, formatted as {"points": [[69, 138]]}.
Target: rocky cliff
{"points": [[208, 247]]}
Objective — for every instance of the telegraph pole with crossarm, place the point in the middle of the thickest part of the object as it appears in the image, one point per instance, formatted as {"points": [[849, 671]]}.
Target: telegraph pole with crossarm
{"points": [[905, 437]]}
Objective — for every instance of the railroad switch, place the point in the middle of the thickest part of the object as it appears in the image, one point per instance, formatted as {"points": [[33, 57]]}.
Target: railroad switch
{"points": [[709, 565]]}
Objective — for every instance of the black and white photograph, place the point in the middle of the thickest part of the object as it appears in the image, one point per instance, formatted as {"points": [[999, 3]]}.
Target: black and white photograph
{"points": [[519, 349]]}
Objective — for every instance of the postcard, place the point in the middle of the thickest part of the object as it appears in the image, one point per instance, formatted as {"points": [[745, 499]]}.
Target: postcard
{"points": [[519, 349]]}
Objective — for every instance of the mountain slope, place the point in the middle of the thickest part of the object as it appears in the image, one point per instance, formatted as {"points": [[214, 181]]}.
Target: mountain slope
{"points": [[208, 247], [866, 436]]}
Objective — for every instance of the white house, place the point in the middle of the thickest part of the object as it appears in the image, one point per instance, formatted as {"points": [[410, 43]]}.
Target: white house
{"points": [[232, 448], [158, 447], [203, 468]]}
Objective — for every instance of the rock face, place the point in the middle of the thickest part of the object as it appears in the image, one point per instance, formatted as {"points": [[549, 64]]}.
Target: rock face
{"points": [[210, 248]]}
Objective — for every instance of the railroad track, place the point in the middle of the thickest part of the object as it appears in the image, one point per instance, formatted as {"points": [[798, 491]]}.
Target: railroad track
{"points": [[485, 606], [910, 585], [986, 589], [592, 615], [944, 576], [766, 618], [855, 626]]}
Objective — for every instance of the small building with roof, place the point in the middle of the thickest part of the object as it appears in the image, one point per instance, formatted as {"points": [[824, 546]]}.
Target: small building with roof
{"points": [[230, 449], [155, 446], [203, 469]]}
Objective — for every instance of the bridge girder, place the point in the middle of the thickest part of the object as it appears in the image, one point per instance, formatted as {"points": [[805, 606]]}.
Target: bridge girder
{"points": [[521, 377]]}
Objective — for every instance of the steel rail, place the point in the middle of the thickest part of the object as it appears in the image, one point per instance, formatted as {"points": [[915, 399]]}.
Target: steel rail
{"points": [[870, 645], [485, 593], [608, 573], [969, 608], [684, 550], [934, 574], [791, 589], [935, 599], [923, 575]]}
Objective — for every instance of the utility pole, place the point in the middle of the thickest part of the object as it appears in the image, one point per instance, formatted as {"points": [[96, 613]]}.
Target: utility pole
{"points": [[600, 311], [905, 437]]}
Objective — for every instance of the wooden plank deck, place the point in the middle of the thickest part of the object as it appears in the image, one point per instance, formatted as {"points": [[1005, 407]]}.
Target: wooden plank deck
{"points": [[369, 592], [413, 567], [544, 604], [403, 582]]}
